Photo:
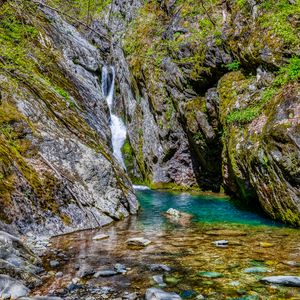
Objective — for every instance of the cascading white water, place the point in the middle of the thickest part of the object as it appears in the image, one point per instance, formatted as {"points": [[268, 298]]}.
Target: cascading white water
{"points": [[117, 127]]}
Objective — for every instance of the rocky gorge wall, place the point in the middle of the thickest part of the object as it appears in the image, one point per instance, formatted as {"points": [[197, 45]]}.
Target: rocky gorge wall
{"points": [[57, 171], [209, 94]]}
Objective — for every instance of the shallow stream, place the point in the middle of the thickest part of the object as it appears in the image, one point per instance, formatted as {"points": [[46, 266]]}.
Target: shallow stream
{"points": [[257, 247]]}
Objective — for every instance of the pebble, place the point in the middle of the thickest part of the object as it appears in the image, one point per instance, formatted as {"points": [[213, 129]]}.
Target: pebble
{"points": [[131, 296], [210, 274], [282, 280], [119, 268], [54, 263], [138, 241], [265, 244], [200, 297], [158, 294], [100, 236], [292, 263], [105, 273], [59, 274], [234, 283], [159, 267], [221, 243], [257, 270], [159, 280]]}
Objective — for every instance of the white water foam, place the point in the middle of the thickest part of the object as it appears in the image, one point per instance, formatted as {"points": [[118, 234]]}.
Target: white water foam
{"points": [[117, 127]]}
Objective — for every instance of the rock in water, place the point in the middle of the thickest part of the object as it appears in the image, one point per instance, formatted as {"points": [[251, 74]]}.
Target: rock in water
{"points": [[257, 270], [159, 267], [105, 273], [221, 243], [11, 288], [100, 236], [119, 268], [158, 294], [138, 241], [292, 263], [178, 217], [159, 279], [210, 274], [282, 280]]}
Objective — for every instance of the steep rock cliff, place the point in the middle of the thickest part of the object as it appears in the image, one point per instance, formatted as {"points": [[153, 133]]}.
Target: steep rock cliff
{"points": [[57, 172], [191, 119]]}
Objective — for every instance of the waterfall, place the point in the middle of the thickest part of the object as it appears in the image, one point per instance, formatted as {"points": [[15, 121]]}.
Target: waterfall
{"points": [[117, 127]]}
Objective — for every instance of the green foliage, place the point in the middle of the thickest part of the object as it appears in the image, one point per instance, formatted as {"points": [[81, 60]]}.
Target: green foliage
{"points": [[286, 74], [198, 137], [289, 72], [243, 116], [241, 3], [84, 10], [280, 16], [233, 66], [16, 38]]}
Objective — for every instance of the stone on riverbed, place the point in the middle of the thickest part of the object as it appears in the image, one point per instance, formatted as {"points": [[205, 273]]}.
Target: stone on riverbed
{"points": [[100, 236], [138, 241], [292, 263], [221, 243], [54, 263], [282, 280], [158, 294], [11, 288], [159, 267], [119, 268], [177, 216], [159, 279], [105, 273], [257, 270], [210, 274]]}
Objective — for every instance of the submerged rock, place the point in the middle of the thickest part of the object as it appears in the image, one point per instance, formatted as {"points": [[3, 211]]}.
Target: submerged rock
{"points": [[266, 244], [160, 267], [138, 241], [159, 279], [257, 270], [178, 217], [221, 243], [292, 263], [210, 274], [100, 236], [119, 268], [105, 273], [282, 280], [158, 294]]}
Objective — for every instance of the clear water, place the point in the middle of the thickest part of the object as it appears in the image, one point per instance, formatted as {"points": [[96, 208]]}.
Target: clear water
{"points": [[206, 208], [188, 249]]}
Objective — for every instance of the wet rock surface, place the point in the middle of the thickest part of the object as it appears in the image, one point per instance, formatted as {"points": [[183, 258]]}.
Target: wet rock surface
{"points": [[157, 294], [282, 280], [11, 288]]}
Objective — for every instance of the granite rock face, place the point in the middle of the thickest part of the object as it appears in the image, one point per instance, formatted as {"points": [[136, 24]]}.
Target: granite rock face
{"points": [[57, 170]]}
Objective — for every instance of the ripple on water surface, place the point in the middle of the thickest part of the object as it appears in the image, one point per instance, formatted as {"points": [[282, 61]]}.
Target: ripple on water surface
{"points": [[257, 247]]}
